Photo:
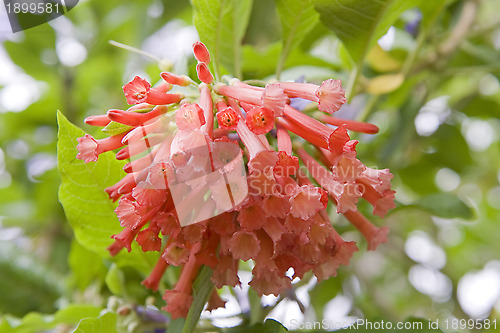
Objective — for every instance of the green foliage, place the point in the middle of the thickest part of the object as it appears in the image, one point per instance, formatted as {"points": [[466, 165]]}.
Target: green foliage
{"points": [[202, 287], [445, 205], [86, 266], [104, 323], [89, 210], [297, 18], [359, 24], [25, 284], [269, 326], [86, 204], [35, 322], [221, 25]]}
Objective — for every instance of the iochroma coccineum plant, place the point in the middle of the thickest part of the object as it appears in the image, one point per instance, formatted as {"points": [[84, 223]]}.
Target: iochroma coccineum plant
{"points": [[214, 178]]}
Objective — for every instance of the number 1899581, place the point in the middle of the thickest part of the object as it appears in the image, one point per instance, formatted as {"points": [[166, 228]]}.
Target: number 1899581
{"points": [[33, 8]]}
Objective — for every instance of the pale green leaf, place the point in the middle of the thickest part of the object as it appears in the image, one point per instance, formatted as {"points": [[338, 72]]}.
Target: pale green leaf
{"points": [[86, 266], [360, 23], [114, 128], [88, 209], [35, 322], [221, 25], [104, 323], [115, 280], [384, 84], [297, 18]]}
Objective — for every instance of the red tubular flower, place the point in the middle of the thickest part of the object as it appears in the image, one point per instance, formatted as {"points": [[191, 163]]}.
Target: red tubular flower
{"points": [[352, 125], [153, 280], [260, 120], [287, 164], [274, 99], [99, 120], [277, 205], [178, 80], [125, 185], [244, 245], [138, 147], [312, 130], [135, 118], [148, 239], [189, 117], [227, 118], [136, 91], [139, 91], [208, 112], [204, 73], [307, 200], [374, 236], [201, 52], [89, 149], [346, 195], [329, 95], [179, 299], [215, 301], [200, 195]]}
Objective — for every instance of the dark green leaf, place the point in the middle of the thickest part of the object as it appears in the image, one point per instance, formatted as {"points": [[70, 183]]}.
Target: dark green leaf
{"points": [[26, 284], [297, 18], [445, 205], [360, 23], [202, 287], [258, 65], [269, 326], [221, 25]]}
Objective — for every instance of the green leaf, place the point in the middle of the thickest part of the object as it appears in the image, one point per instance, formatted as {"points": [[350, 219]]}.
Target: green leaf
{"points": [[88, 209], [73, 313], [36, 322], [26, 284], [259, 64], [360, 23], [85, 265], [114, 128], [115, 280], [273, 326], [221, 25], [430, 10], [324, 292], [269, 326], [87, 206], [297, 17], [104, 323], [202, 287], [445, 205]]}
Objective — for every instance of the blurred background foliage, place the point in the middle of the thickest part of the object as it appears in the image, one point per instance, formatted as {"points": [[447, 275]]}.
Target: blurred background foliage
{"points": [[431, 84]]}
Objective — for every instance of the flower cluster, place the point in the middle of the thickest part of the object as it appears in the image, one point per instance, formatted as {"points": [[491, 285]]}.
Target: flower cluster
{"points": [[213, 178]]}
